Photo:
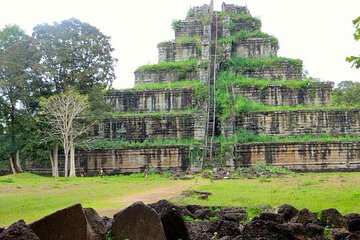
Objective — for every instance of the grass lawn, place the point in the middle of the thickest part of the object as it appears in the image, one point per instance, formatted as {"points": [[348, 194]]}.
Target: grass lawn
{"points": [[30, 197], [315, 191]]}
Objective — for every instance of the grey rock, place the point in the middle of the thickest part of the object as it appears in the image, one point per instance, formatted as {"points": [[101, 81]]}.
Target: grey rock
{"points": [[139, 222], [68, 223], [18, 231]]}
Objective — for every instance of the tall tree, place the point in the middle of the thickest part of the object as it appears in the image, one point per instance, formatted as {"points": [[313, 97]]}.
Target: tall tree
{"points": [[66, 114], [355, 60], [75, 54], [18, 86]]}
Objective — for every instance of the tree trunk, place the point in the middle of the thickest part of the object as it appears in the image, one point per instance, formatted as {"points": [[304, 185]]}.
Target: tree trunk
{"points": [[66, 154], [56, 160], [18, 164], [72, 162], [52, 164], [12, 166], [14, 163]]}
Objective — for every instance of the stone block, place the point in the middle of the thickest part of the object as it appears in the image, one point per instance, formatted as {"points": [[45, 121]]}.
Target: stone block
{"points": [[68, 223], [139, 222]]}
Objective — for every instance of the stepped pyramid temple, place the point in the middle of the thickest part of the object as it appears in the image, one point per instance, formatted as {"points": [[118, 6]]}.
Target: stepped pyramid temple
{"points": [[220, 96]]}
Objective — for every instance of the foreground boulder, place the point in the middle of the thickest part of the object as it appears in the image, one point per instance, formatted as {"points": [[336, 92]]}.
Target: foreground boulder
{"points": [[353, 222], [266, 230], [287, 211], [68, 223], [199, 230], [332, 218], [139, 222], [235, 214], [18, 231], [96, 228], [304, 216], [173, 223]]}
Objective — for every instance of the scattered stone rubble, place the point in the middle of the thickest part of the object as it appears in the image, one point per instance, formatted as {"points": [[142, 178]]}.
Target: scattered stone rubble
{"points": [[163, 220]]}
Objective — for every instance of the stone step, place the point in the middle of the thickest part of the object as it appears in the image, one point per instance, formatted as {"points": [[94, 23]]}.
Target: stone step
{"points": [[151, 100], [301, 155], [315, 94], [300, 122]]}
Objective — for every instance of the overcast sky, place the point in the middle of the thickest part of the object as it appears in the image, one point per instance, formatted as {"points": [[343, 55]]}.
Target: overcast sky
{"points": [[317, 31]]}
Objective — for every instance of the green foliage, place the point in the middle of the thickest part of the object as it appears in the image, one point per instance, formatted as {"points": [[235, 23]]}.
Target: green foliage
{"points": [[252, 212], [164, 44], [231, 79], [241, 65], [347, 93], [355, 60], [74, 53], [175, 25], [19, 90], [230, 103], [188, 218], [240, 21], [99, 108], [167, 85], [186, 66], [242, 36], [190, 40]]}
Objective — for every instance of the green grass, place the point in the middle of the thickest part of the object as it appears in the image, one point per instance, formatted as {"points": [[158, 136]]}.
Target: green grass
{"points": [[30, 197], [105, 144], [170, 85], [164, 44], [226, 79], [159, 113], [315, 191], [242, 65], [242, 36], [246, 136], [243, 104], [186, 66]]}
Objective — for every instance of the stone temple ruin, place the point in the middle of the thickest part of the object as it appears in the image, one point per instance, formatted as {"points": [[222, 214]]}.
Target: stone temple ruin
{"points": [[176, 116]]}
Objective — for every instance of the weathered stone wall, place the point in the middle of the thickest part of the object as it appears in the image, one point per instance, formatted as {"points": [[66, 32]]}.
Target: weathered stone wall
{"points": [[301, 155], [189, 29], [334, 122], [134, 159], [315, 94], [254, 47], [284, 71], [166, 52], [121, 160], [140, 128], [232, 8], [151, 100], [145, 77], [178, 52]]}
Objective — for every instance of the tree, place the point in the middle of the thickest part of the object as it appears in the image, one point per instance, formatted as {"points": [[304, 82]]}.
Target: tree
{"points": [[355, 60], [347, 93], [75, 54], [19, 87], [66, 114]]}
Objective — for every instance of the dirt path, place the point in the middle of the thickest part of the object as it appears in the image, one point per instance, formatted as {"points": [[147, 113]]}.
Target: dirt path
{"points": [[168, 192]]}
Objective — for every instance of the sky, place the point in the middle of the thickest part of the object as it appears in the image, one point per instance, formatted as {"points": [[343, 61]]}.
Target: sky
{"points": [[320, 32]]}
